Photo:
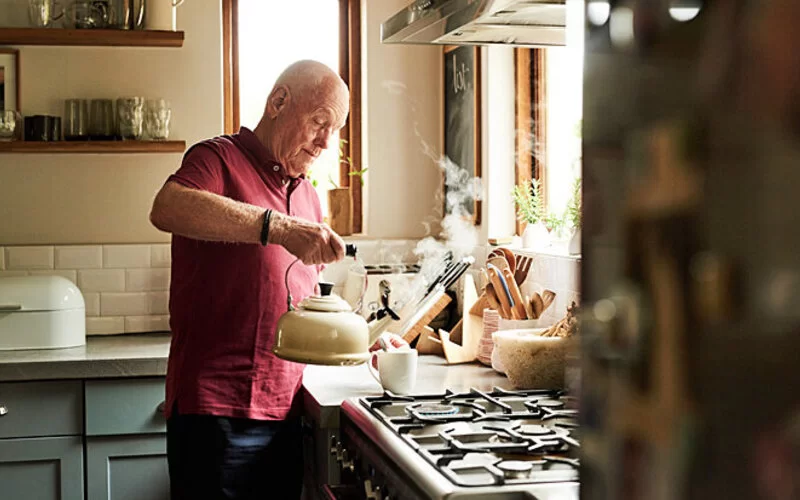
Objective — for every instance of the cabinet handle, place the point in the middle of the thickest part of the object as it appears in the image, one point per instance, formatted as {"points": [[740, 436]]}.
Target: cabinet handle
{"points": [[3, 410], [10, 307]]}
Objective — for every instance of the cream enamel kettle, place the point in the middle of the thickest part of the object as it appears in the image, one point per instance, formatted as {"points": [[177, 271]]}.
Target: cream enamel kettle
{"points": [[161, 14], [324, 330]]}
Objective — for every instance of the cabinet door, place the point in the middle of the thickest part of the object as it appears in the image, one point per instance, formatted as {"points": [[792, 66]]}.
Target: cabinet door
{"points": [[42, 468], [127, 468]]}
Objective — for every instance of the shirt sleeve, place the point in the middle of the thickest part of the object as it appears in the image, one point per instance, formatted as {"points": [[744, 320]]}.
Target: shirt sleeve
{"points": [[201, 168]]}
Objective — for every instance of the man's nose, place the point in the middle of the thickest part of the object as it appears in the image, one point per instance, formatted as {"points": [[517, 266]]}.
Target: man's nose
{"points": [[323, 139]]}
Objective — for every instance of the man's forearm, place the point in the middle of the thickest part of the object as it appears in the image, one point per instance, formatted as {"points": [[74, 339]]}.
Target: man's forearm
{"points": [[206, 216]]}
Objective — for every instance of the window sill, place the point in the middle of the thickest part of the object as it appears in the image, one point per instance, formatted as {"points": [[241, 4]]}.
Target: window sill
{"points": [[559, 249]]}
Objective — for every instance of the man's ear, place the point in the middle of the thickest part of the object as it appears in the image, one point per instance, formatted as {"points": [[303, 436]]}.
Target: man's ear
{"points": [[277, 101]]}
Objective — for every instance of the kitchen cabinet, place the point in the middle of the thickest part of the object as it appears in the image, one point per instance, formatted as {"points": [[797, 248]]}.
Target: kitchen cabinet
{"points": [[127, 468], [114, 429], [42, 468]]}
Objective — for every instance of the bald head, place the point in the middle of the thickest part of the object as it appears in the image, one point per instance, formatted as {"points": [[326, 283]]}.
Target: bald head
{"points": [[307, 105], [309, 78]]}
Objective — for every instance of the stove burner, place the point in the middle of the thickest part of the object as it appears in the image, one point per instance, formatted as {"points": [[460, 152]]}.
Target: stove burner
{"points": [[436, 410], [535, 430], [515, 469]]}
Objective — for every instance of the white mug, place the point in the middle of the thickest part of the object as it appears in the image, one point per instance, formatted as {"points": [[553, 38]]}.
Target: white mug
{"points": [[161, 14], [397, 370]]}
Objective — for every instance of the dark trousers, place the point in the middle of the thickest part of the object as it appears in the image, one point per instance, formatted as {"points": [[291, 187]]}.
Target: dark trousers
{"points": [[234, 458]]}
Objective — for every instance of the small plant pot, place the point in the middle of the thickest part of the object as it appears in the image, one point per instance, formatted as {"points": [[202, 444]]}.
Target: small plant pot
{"points": [[575, 242], [340, 211], [535, 237]]}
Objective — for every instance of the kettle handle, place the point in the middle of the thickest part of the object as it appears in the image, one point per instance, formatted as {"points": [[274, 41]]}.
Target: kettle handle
{"points": [[372, 370]]}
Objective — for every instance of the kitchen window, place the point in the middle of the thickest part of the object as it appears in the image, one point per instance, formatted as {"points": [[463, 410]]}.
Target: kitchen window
{"points": [[261, 38], [548, 120]]}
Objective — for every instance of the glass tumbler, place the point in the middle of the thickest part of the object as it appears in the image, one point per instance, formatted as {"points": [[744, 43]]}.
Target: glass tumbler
{"points": [[156, 119], [130, 115], [76, 119], [42, 13], [101, 127]]}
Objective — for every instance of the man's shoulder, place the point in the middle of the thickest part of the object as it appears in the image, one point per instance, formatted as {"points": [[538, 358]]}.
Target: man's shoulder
{"points": [[219, 147]]}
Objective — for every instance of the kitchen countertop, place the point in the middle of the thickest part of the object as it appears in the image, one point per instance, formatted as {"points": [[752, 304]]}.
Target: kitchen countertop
{"points": [[139, 355], [326, 387]]}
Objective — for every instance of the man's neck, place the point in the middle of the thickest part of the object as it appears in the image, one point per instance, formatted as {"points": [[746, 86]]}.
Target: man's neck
{"points": [[262, 133]]}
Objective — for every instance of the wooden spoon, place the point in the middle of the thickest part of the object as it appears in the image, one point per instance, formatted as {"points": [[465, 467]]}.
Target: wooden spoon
{"points": [[537, 304]]}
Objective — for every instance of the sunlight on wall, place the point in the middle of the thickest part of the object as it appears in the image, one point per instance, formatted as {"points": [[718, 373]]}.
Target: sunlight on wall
{"points": [[273, 35]]}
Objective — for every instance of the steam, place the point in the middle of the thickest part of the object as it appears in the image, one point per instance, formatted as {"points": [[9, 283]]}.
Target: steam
{"points": [[458, 235]]}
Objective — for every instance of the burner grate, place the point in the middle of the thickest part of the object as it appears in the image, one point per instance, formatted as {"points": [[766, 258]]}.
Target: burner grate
{"points": [[478, 437]]}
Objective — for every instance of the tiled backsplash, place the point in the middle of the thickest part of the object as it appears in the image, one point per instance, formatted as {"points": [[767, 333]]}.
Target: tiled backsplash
{"points": [[125, 287]]}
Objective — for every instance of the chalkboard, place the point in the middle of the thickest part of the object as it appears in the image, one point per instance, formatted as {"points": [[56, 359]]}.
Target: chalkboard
{"points": [[462, 130]]}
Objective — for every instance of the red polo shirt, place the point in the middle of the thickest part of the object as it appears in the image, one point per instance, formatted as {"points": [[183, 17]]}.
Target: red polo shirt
{"points": [[225, 299]]}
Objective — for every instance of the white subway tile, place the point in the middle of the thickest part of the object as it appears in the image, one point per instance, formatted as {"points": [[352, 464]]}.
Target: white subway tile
{"points": [[121, 256], [31, 257], [158, 302], [101, 280], [92, 300], [79, 257], [66, 273], [2, 259], [145, 280], [141, 324], [12, 274], [123, 304], [160, 255], [105, 325]]}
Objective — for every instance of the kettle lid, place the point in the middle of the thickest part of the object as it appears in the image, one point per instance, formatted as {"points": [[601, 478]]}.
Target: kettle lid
{"points": [[326, 301]]}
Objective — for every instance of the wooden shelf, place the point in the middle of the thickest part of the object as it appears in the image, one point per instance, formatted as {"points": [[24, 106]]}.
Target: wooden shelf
{"points": [[93, 147], [90, 37]]}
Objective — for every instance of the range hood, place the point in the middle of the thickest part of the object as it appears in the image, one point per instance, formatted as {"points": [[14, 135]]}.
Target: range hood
{"points": [[532, 23]]}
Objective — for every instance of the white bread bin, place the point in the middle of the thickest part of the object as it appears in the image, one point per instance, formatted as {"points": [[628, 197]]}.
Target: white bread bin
{"points": [[41, 312]]}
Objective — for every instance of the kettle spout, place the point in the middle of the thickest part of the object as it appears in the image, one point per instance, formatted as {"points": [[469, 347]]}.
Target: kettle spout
{"points": [[382, 318]]}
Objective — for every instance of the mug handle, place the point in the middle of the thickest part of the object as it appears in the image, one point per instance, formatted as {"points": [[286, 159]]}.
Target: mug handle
{"points": [[372, 370]]}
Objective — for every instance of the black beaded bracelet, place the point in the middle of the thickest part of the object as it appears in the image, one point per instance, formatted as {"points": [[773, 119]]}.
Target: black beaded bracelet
{"points": [[265, 227]]}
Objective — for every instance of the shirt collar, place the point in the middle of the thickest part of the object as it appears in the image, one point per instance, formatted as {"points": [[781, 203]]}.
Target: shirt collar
{"points": [[263, 156]]}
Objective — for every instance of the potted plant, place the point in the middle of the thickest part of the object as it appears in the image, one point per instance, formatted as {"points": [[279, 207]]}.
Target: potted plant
{"points": [[574, 217], [340, 203], [530, 210]]}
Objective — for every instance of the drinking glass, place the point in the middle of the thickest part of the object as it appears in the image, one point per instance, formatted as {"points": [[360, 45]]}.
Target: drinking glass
{"points": [[9, 125], [156, 119], [101, 127], [130, 117], [42, 13], [76, 119]]}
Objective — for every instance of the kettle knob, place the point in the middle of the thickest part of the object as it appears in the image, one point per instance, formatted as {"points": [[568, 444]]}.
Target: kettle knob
{"points": [[325, 288]]}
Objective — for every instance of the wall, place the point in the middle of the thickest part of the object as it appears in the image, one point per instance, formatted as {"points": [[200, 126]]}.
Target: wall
{"points": [[402, 112], [57, 199]]}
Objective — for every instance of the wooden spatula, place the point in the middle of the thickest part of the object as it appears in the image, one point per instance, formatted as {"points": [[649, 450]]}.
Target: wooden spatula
{"points": [[548, 296]]}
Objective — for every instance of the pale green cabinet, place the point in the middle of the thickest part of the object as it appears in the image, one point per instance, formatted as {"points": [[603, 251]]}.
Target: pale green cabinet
{"points": [[106, 438], [42, 468], [127, 468]]}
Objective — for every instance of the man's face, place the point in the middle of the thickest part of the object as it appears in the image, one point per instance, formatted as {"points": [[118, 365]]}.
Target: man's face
{"points": [[305, 126]]}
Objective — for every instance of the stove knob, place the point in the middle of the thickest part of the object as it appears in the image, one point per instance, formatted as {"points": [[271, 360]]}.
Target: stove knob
{"points": [[347, 462], [372, 492]]}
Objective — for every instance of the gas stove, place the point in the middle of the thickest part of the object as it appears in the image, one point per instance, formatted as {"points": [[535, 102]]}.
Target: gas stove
{"points": [[505, 444]]}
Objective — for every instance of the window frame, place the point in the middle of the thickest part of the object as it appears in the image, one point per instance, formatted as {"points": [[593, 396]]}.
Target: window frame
{"points": [[349, 70], [530, 66]]}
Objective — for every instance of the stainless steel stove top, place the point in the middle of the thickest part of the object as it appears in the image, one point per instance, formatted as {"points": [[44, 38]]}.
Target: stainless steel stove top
{"points": [[514, 444]]}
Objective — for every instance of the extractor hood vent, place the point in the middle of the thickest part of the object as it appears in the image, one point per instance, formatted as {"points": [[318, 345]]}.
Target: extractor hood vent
{"points": [[532, 23]]}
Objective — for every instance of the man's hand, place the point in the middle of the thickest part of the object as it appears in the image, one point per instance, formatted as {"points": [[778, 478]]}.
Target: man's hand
{"points": [[392, 341], [312, 243]]}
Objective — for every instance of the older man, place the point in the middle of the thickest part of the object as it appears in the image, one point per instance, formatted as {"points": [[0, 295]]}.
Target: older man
{"points": [[240, 211]]}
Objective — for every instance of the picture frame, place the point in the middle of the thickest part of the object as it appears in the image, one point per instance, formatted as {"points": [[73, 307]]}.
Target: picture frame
{"points": [[461, 131], [9, 80]]}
